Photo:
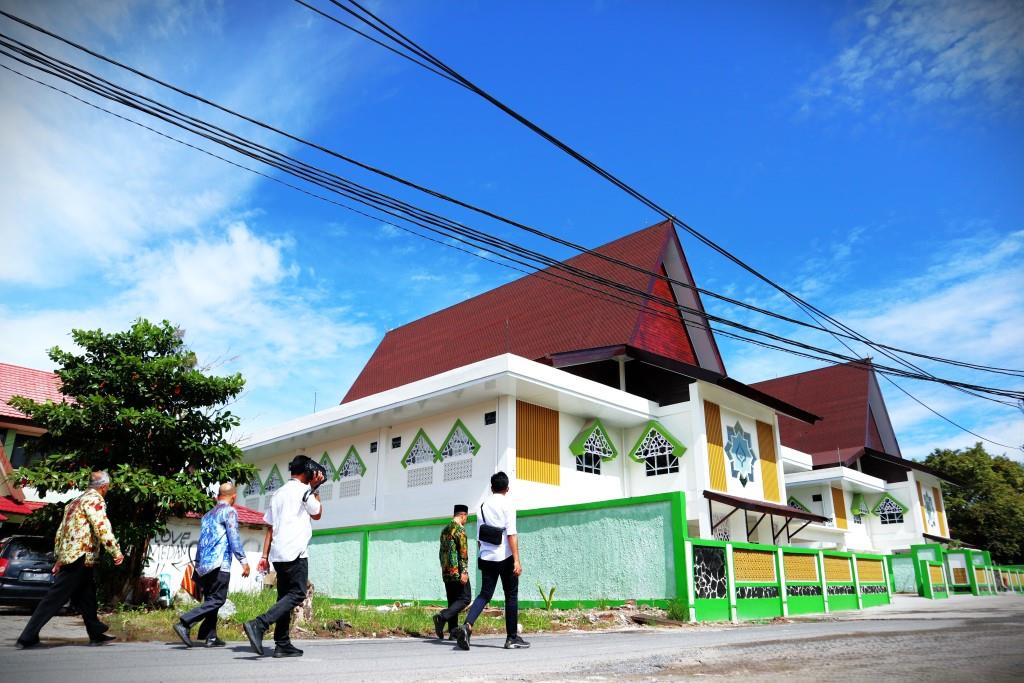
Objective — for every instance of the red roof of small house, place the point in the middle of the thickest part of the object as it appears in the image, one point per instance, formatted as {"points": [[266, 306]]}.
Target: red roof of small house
{"points": [[245, 516], [38, 385], [842, 395], [545, 313], [13, 507]]}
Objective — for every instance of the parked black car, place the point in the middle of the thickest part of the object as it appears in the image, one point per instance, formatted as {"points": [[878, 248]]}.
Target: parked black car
{"points": [[26, 569]]}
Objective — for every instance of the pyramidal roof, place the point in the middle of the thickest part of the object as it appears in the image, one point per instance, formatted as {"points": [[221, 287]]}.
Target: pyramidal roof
{"points": [[850, 403], [551, 311]]}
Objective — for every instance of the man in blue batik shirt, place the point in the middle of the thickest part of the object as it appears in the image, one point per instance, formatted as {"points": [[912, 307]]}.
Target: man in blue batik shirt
{"points": [[218, 543]]}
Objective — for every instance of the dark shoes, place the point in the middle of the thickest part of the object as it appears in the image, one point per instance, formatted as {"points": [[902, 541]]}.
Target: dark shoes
{"points": [[463, 635], [254, 632], [101, 639], [25, 645], [287, 650], [515, 643], [214, 642], [439, 626], [182, 632]]}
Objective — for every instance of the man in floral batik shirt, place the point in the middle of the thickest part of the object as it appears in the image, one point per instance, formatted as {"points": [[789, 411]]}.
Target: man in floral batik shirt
{"points": [[83, 533], [454, 556], [218, 544]]}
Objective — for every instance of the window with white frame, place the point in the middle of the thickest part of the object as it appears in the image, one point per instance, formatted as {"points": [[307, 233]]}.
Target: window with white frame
{"points": [[595, 449]]}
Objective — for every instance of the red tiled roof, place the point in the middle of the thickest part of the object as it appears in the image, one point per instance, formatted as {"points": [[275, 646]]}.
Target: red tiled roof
{"points": [[38, 385], [839, 394], [539, 315], [13, 507], [2, 518], [245, 516]]}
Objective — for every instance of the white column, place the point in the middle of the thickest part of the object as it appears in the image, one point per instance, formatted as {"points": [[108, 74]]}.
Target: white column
{"points": [[782, 581], [856, 582], [821, 577], [691, 598]]}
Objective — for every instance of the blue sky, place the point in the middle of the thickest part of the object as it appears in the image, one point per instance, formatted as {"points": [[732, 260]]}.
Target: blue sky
{"points": [[868, 156]]}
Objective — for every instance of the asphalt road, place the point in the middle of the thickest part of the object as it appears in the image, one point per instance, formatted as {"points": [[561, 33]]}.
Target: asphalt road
{"points": [[951, 640]]}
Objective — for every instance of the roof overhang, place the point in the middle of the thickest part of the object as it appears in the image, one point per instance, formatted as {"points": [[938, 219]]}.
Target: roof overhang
{"points": [[853, 480], [850, 456], [763, 507], [504, 375], [695, 372]]}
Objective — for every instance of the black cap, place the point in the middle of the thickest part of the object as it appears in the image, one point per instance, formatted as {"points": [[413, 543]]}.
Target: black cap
{"points": [[461, 508]]}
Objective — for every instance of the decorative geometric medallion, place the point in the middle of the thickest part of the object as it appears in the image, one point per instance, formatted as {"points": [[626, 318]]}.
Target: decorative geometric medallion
{"points": [[929, 509], [591, 447], [741, 454], [274, 481], [352, 465], [458, 443], [421, 452], [657, 449]]}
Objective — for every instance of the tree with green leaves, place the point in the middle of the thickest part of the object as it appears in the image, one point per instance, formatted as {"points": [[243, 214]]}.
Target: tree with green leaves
{"points": [[986, 507], [139, 407]]}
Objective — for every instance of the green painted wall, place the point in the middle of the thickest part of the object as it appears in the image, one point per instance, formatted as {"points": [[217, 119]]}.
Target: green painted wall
{"points": [[711, 609], [758, 608], [838, 603], [334, 565], [805, 604], [875, 599], [403, 565]]}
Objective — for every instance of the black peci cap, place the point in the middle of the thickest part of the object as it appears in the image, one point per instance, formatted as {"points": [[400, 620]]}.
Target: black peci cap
{"points": [[461, 508]]}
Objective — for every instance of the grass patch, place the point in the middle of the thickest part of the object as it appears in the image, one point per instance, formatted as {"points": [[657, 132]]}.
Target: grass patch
{"points": [[332, 620]]}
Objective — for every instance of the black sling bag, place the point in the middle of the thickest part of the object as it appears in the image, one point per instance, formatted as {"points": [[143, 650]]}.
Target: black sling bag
{"points": [[489, 534]]}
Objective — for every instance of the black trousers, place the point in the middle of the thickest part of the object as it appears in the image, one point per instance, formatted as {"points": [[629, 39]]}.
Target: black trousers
{"points": [[459, 596], [291, 591], [73, 582], [491, 572], [215, 593]]}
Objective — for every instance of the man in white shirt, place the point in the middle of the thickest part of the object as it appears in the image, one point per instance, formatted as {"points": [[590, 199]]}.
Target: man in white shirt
{"points": [[497, 561], [285, 544]]}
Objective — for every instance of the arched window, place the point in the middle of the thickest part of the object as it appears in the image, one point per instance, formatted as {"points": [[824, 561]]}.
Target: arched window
{"points": [[889, 511], [658, 450], [592, 446]]}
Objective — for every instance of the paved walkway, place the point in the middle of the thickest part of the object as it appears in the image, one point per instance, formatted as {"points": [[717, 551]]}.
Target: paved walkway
{"points": [[963, 638]]}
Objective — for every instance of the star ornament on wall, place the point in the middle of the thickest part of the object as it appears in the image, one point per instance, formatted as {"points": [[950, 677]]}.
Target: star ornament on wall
{"points": [[741, 454]]}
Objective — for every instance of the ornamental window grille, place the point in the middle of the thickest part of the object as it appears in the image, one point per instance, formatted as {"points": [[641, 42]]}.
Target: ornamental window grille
{"points": [[889, 512], [350, 468], [658, 454], [251, 489], [595, 449], [420, 453], [858, 519], [274, 481], [349, 488], [455, 470], [419, 476], [459, 444], [332, 472]]}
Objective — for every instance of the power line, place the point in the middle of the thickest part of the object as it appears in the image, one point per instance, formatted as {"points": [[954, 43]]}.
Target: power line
{"points": [[108, 87], [394, 34], [484, 212]]}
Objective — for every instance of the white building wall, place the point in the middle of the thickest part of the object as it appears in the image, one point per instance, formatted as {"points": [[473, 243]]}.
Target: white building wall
{"points": [[173, 550]]}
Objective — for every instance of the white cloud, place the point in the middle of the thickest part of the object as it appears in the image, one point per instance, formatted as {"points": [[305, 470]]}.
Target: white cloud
{"points": [[954, 51], [235, 294], [967, 305]]}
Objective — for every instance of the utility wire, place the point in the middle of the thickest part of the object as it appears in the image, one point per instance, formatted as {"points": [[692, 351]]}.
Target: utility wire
{"points": [[485, 212], [584, 274], [396, 35]]}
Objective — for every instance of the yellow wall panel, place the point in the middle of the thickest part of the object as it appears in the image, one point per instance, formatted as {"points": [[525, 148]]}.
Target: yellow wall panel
{"points": [[537, 457], [716, 448], [959, 575], [753, 565], [980, 576], [800, 567], [870, 570], [941, 511], [837, 569], [935, 573], [769, 461], [839, 507]]}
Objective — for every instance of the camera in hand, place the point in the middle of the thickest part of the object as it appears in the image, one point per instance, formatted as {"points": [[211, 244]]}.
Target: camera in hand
{"points": [[306, 465]]}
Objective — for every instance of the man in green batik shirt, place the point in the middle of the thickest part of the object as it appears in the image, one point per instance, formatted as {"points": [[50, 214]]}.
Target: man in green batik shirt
{"points": [[454, 556]]}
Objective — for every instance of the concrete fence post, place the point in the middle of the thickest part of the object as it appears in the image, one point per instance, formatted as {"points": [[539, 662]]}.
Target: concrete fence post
{"points": [[824, 581], [856, 581], [731, 582], [779, 558]]}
